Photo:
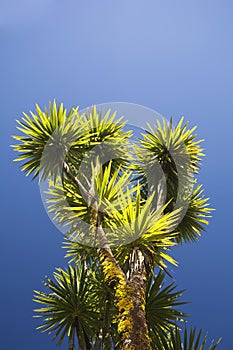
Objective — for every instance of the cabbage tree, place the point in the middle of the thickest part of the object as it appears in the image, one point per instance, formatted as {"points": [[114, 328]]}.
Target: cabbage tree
{"points": [[122, 206]]}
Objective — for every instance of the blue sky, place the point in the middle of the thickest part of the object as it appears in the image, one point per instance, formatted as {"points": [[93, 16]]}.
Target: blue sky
{"points": [[175, 57]]}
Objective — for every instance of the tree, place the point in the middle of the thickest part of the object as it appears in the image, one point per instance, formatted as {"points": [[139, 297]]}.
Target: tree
{"points": [[122, 207]]}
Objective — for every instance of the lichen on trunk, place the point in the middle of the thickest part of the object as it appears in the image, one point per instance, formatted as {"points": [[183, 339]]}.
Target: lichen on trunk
{"points": [[138, 337], [130, 302]]}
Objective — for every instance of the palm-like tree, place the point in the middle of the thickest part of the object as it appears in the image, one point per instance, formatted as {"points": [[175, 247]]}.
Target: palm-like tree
{"points": [[71, 306], [120, 224]]}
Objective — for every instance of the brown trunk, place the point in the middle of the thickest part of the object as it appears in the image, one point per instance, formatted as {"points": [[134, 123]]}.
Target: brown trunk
{"points": [[137, 337], [130, 301]]}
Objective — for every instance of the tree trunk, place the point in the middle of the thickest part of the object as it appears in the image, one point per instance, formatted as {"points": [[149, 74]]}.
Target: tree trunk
{"points": [[83, 341], [138, 336], [130, 301], [71, 342]]}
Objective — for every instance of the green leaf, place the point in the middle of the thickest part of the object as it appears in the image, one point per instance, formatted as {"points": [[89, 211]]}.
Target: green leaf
{"points": [[70, 305]]}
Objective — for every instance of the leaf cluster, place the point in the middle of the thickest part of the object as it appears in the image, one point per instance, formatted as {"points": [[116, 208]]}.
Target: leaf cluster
{"points": [[146, 198]]}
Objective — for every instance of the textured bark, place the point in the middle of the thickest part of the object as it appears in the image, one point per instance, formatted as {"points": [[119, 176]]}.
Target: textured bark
{"points": [[138, 336], [130, 300]]}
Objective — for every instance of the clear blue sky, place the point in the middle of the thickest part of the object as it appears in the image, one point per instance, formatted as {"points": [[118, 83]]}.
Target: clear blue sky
{"points": [[175, 57]]}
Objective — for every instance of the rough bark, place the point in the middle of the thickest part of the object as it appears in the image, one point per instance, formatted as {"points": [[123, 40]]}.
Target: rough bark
{"points": [[138, 337], [130, 301]]}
